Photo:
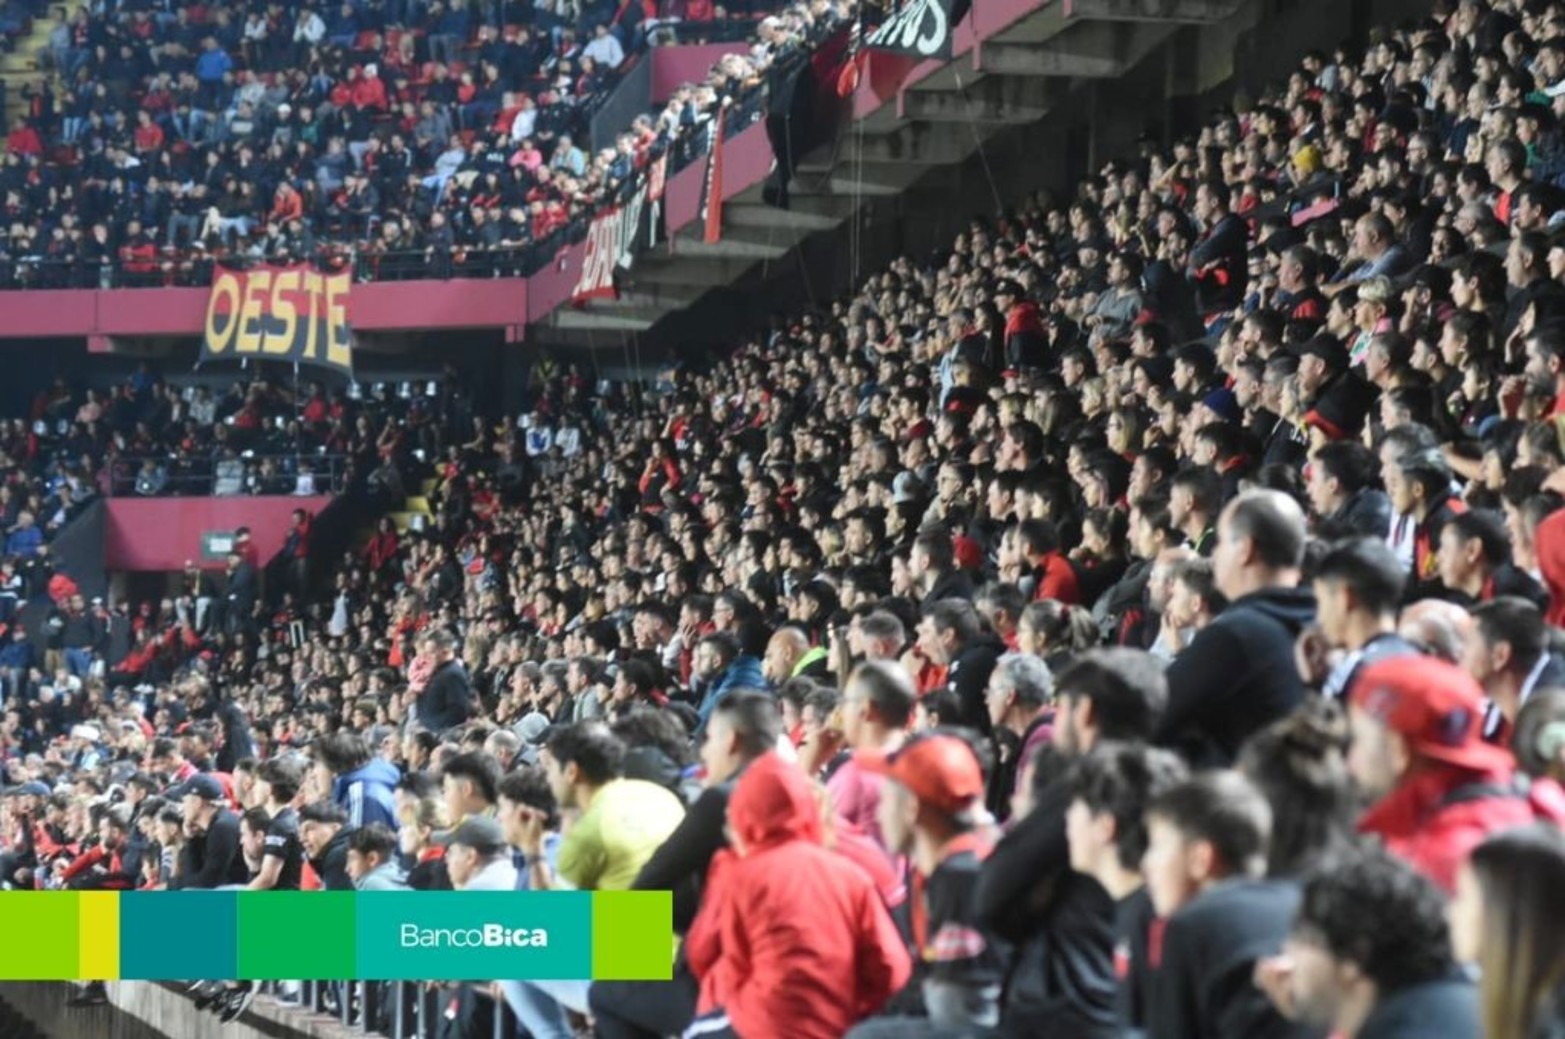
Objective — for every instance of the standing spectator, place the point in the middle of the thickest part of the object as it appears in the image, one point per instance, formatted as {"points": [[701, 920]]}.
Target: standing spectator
{"points": [[446, 700], [762, 970]]}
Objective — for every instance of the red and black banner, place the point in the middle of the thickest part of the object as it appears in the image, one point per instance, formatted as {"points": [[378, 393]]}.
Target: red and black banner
{"points": [[294, 314], [618, 234], [712, 187]]}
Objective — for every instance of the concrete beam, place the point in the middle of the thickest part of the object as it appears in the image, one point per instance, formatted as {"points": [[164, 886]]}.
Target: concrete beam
{"points": [[1183, 12], [704, 272], [1089, 50], [571, 319], [1006, 100], [918, 144], [732, 246], [810, 214]]}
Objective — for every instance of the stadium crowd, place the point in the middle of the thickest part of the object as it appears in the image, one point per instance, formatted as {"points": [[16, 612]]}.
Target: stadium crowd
{"points": [[1139, 618], [407, 138]]}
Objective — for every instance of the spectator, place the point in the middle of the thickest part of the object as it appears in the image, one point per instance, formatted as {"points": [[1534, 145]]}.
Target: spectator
{"points": [[1418, 751], [1370, 955], [1504, 893], [1237, 674], [1206, 854], [1111, 787], [746, 939]]}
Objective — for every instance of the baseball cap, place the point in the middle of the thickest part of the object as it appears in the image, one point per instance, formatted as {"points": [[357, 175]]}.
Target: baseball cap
{"points": [[941, 771], [1324, 346], [1222, 403], [33, 788], [1434, 705], [478, 832], [1007, 287], [202, 786]]}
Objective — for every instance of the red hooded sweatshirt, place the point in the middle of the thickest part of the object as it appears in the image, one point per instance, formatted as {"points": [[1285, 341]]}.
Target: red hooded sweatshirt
{"points": [[1549, 543], [791, 940], [1435, 818]]}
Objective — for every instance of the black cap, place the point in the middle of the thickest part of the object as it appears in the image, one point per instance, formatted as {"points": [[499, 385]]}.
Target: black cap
{"points": [[202, 786], [1327, 347]]}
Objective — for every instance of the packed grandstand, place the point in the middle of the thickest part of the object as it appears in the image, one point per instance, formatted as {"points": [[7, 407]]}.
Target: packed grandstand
{"points": [[1140, 617]]}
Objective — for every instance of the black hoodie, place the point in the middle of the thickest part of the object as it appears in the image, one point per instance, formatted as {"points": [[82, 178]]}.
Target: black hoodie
{"points": [[1236, 677]]}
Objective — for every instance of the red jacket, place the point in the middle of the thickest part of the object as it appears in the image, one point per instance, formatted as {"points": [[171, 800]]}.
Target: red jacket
{"points": [[791, 940], [1435, 818], [1056, 579]]}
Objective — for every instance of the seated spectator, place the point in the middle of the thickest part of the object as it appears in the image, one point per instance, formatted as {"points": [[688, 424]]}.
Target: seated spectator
{"points": [[1206, 854]]}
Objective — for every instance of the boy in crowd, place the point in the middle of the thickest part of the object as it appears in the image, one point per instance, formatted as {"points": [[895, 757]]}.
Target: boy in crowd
{"points": [[1204, 865]]}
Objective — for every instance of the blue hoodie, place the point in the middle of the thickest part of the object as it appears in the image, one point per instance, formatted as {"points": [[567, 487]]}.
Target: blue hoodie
{"points": [[743, 673], [366, 794]]}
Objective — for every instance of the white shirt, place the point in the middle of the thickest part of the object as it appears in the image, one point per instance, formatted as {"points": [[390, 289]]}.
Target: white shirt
{"points": [[523, 125], [605, 50]]}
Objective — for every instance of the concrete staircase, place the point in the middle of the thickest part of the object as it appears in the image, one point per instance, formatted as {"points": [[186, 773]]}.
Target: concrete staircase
{"points": [[19, 67], [415, 510], [1017, 76]]}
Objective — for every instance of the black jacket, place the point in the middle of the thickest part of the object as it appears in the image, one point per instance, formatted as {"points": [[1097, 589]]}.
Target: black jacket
{"points": [[1204, 983], [214, 858], [1061, 924], [447, 700], [1237, 676], [332, 866], [968, 678], [1366, 513], [680, 862], [1446, 1008]]}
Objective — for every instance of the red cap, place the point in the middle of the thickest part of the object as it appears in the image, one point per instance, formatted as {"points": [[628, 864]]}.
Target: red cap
{"points": [[941, 771], [1434, 705]]}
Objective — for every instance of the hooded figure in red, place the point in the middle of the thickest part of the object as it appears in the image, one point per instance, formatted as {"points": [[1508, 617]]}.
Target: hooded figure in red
{"points": [[792, 939], [1418, 748], [1549, 544]]}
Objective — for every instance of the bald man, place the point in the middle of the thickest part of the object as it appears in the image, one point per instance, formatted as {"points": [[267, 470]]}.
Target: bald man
{"points": [[789, 655], [1437, 627], [1238, 674]]}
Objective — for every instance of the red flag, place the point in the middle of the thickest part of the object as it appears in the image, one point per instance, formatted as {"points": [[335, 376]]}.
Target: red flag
{"points": [[712, 190]]}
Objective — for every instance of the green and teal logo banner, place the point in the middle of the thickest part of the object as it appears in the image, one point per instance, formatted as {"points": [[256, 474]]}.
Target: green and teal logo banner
{"points": [[381, 936]]}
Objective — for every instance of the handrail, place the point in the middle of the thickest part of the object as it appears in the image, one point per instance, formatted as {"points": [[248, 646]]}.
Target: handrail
{"points": [[239, 473]]}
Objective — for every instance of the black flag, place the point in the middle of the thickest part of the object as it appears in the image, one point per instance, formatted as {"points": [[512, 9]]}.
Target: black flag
{"points": [[920, 28]]}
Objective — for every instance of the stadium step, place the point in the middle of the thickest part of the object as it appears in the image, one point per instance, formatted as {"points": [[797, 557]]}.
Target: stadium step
{"points": [[747, 215], [593, 320], [732, 246], [20, 67]]}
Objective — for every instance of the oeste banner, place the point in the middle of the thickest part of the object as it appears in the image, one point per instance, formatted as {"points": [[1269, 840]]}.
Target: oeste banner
{"points": [[378, 936], [297, 315]]}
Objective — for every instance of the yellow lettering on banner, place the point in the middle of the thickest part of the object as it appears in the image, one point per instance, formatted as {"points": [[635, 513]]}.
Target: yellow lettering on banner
{"points": [[313, 285], [218, 336], [251, 310], [339, 351], [279, 340]]}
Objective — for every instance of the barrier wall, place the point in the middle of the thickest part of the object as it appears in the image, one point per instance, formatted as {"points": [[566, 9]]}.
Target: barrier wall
{"points": [[142, 534]]}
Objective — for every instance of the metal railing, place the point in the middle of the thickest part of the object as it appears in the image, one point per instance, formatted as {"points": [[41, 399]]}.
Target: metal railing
{"points": [[394, 1009], [173, 475]]}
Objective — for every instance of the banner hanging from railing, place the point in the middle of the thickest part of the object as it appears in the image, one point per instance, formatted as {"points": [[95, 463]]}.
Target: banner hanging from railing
{"points": [[712, 187], [297, 315], [920, 28], [617, 235]]}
